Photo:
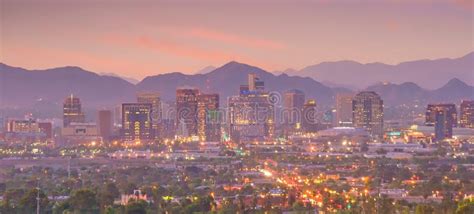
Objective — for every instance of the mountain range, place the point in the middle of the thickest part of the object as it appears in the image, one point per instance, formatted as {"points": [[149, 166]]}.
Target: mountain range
{"points": [[25, 88], [426, 73]]}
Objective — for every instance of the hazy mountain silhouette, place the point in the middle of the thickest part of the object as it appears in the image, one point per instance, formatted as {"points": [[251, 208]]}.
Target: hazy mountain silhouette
{"points": [[226, 81], [453, 91], [128, 79], [426, 73], [24, 88], [206, 70], [21, 87]]}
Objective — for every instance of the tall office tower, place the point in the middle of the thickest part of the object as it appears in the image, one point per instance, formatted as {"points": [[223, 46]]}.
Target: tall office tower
{"points": [[186, 112], [104, 124], [443, 122], [209, 117], [309, 120], [293, 102], [367, 112], [136, 121], [152, 98], [466, 119], [344, 109], [251, 114], [433, 108], [72, 112]]}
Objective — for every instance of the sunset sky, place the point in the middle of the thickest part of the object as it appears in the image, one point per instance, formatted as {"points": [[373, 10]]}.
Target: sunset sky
{"points": [[141, 38]]}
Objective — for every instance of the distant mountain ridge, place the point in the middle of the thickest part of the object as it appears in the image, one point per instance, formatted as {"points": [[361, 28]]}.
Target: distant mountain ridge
{"points": [[23, 88], [421, 72]]}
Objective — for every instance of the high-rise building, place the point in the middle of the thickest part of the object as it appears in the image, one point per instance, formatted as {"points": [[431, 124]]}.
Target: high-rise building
{"points": [[466, 119], [251, 114], [309, 120], [186, 112], [136, 121], [208, 117], [443, 121], [431, 110], [104, 124], [152, 98], [293, 102], [72, 112], [367, 112], [344, 109]]}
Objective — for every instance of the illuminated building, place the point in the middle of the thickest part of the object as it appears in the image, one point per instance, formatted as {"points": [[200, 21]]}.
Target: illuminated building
{"points": [[22, 126], [466, 109], [208, 117], [251, 114], [80, 133], [104, 124], [72, 112], [29, 128], [367, 112], [309, 121], [154, 100], [344, 109], [430, 116], [186, 112], [293, 102], [444, 115], [136, 121]]}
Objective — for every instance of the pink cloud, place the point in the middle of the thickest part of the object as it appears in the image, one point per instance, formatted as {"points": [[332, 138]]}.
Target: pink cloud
{"points": [[466, 4], [171, 47], [233, 39]]}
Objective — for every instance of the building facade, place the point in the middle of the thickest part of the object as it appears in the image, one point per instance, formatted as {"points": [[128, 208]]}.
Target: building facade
{"points": [[105, 124], [430, 116], [293, 102], [209, 117], [153, 98], [251, 114], [466, 119], [186, 112], [72, 111], [344, 109], [136, 121], [367, 112]]}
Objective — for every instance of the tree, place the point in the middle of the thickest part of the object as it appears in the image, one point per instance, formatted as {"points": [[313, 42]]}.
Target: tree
{"points": [[28, 202], [465, 207], [84, 200], [424, 209], [136, 207], [108, 194]]}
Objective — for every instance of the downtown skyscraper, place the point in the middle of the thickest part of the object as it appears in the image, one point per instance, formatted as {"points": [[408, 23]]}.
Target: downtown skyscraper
{"points": [[72, 111], [367, 112], [466, 119], [186, 112], [153, 98], [431, 109], [293, 102], [136, 121], [251, 114], [344, 109], [209, 117]]}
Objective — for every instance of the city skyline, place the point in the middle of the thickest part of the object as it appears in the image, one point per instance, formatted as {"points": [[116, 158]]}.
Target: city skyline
{"points": [[243, 106], [170, 36]]}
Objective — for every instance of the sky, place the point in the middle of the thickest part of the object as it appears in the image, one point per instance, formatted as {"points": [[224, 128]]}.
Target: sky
{"points": [[139, 38]]}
